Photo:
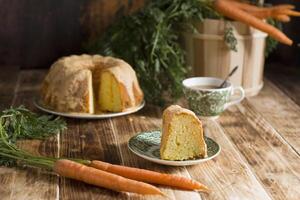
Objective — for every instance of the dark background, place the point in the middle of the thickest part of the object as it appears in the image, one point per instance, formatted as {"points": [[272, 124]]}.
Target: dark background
{"points": [[34, 33]]}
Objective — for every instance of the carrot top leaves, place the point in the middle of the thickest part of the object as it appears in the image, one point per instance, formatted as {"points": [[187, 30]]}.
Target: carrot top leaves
{"points": [[21, 123], [230, 39], [148, 40], [271, 42]]}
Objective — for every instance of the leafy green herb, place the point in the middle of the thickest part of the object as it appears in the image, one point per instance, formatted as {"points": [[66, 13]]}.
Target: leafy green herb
{"points": [[20, 123], [271, 43], [148, 40], [230, 38]]}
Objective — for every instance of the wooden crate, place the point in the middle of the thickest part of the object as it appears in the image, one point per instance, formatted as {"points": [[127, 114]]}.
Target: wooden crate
{"points": [[208, 54]]}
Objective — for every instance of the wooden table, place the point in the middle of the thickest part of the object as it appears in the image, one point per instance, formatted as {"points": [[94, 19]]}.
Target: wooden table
{"points": [[259, 139]]}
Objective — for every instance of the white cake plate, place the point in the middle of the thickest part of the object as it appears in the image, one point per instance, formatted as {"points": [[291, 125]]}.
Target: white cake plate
{"points": [[103, 115]]}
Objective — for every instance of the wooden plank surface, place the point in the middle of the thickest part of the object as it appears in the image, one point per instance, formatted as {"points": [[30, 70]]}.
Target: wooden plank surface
{"points": [[34, 183], [259, 157], [286, 78], [88, 140], [31, 183], [281, 112], [275, 163], [7, 174], [229, 174]]}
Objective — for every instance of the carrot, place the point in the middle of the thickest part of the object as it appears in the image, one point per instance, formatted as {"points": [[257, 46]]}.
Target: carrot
{"points": [[279, 14], [261, 14], [249, 7], [90, 175], [284, 6], [265, 12], [282, 18], [289, 12], [246, 6], [233, 12], [150, 176]]}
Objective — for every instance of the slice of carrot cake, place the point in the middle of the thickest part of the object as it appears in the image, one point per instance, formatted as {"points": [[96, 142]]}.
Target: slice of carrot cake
{"points": [[182, 135]]}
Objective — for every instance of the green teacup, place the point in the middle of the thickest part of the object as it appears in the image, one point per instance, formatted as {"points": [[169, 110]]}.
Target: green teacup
{"points": [[206, 99]]}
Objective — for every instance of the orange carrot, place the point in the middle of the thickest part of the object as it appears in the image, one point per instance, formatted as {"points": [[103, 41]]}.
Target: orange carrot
{"points": [[283, 6], [261, 14], [279, 14], [282, 18], [288, 12], [90, 175], [249, 7], [150, 176], [233, 12], [265, 12], [246, 6]]}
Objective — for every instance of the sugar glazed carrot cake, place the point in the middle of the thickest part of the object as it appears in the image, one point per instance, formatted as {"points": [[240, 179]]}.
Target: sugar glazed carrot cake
{"points": [[91, 84]]}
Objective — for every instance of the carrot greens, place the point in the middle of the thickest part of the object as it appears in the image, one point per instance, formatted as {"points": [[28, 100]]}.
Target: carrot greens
{"points": [[148, 40], [21, 123]]}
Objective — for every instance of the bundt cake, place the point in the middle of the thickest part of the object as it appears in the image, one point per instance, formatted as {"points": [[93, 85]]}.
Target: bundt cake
{"points": [[182, 135], [91, 84]]}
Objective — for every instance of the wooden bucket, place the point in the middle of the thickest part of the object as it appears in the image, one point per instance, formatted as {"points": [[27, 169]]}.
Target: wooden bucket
{"points": [[208, 55]]}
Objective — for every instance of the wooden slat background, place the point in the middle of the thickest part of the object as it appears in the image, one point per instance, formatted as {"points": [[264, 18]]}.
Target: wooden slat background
{"points": [[34, 34]]}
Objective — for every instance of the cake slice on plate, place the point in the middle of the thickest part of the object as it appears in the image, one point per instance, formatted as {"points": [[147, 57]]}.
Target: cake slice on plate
{"points": [[182, 135]]}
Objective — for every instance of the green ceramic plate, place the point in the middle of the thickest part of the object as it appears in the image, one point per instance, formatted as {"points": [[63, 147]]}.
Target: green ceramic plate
{"points": [[146, 145]]}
